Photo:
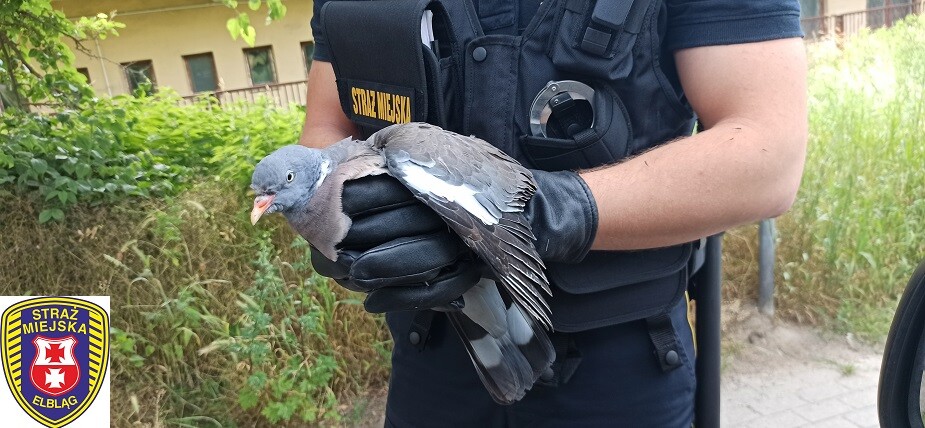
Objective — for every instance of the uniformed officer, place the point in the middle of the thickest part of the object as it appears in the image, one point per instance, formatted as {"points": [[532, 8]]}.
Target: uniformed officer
{"points": [[600, 98]]}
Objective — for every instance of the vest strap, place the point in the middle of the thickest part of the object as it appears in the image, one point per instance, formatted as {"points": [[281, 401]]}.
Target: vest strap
{"points": [[420, 329], [663, 336], [609, 19]]}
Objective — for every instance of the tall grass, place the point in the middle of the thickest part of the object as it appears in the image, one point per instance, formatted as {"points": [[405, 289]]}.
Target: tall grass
{"points": [[214, 322], [857, 230]]}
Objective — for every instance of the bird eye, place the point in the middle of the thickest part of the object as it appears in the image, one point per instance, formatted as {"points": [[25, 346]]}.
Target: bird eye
{"points": [[290, 176]]}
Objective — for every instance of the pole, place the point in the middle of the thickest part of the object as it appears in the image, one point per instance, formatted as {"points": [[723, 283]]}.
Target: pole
{"points": [[709, 295], [766, 267]]}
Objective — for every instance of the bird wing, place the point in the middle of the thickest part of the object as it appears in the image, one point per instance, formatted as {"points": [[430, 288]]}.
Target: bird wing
{"points": [[481, 193], [510, 350]]}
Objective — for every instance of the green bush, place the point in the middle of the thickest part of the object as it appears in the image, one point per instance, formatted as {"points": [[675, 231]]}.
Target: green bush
{"points": [[127, 146]]}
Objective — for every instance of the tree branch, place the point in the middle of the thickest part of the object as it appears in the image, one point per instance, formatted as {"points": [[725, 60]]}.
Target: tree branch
{"points": [[10, 69]]}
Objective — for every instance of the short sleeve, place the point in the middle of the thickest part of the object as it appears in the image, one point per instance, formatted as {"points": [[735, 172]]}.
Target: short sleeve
{"points": [[693, 23], [322, 50]]}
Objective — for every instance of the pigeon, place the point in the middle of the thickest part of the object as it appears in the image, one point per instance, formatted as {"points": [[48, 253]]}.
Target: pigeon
{"points": [[478, 190]]}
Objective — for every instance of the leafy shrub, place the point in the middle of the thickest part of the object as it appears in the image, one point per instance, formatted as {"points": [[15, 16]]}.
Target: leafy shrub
{"points": [[127, 147], [282, 337]]}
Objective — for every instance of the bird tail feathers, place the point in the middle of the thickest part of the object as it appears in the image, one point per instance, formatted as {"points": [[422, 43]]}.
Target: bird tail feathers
{"points": [[510, 350]]}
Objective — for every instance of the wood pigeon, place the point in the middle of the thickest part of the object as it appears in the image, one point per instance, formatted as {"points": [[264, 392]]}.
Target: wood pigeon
{"points": [[478, 190]]}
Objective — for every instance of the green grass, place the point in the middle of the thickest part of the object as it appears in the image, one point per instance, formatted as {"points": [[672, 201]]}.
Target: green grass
{"points": [[214, 322], [855, 234]]}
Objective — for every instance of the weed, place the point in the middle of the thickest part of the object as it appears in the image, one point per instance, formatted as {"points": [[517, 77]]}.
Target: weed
{"points": [[853, 237]]}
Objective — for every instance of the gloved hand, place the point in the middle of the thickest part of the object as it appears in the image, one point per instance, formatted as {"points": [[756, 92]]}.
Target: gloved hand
{"points": [[406, 258], [398, 251], [562, 215]]}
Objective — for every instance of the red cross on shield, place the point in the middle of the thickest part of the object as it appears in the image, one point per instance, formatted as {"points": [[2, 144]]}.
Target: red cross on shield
{"points": [[54, 370]]}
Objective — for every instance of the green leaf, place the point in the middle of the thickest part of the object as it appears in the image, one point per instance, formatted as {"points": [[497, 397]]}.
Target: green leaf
{"points": [[234, 28], [51, 214], [39, 166], [277, 9], [248, 398], [249, 35], [244, 20], [253, 4], [44, 216], [82, 170]]}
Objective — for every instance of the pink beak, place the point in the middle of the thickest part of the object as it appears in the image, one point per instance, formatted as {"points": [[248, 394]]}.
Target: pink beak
{"points": [[261, 203]]}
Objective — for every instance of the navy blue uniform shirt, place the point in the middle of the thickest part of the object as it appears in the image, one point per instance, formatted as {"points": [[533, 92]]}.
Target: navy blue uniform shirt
{"points": [[691, 23]]}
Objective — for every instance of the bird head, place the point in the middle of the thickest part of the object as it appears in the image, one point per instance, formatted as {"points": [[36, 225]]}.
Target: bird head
{"points": [[287, 179]]}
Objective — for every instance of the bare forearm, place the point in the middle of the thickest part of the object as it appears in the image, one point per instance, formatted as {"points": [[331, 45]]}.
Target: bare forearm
{"points": [[746, 166], [695, 187], [325, 122], [320, 136]]}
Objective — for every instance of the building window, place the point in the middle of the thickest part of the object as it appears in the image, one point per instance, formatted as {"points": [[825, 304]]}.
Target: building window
{"points": [[139, 74], [260, 65], [885, 13], [813, 24], [201, 71], [809, 8], [308, 50], [85, 71]]}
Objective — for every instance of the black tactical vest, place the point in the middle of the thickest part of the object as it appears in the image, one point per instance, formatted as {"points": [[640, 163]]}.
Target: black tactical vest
{"points": [[486, 85]]}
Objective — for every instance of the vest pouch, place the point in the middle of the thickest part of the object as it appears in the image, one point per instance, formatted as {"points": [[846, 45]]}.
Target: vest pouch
{"points": [[585, 46], [613, 287], [605, 143], [385, 73]]}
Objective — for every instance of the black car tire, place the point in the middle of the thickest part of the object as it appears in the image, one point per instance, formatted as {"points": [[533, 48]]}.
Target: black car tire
{"points": [[901, 372]]}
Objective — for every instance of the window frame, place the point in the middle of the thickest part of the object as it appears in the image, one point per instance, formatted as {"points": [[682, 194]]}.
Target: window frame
{"points": [[128, 83], [307, 62], [189, 71], [272, 62]]}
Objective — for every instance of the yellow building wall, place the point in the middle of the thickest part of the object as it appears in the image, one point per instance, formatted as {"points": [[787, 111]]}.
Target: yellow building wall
{"points": [[165, 31], [838, 7]]}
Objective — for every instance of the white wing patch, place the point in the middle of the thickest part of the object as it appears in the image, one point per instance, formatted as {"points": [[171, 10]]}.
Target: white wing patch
{"points": [[325, 169], [422, 181]]}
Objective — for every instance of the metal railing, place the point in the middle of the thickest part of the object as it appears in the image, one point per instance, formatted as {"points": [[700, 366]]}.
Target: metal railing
{"points": [[852, 23], [282, 95]]}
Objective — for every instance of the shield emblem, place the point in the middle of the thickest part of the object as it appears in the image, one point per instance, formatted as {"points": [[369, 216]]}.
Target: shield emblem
{"points": [[60, 345], [54, 369]]}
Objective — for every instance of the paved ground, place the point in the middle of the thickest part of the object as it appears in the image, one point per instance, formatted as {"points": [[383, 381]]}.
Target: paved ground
{"points": [[780, 375]]}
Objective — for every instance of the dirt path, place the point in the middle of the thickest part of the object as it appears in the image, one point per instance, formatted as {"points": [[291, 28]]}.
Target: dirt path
{"points": [[782, 375]]}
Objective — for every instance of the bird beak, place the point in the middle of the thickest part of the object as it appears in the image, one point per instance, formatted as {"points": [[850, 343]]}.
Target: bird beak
{"points": [[261, 203]]}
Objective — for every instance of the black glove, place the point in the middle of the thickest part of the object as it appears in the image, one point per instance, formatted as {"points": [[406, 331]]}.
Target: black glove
{"points": [[562, 215], [398, 250], [406, 258]]}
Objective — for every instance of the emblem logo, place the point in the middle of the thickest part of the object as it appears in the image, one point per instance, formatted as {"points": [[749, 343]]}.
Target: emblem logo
{"points": [[55, 353]]}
